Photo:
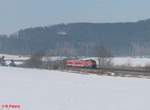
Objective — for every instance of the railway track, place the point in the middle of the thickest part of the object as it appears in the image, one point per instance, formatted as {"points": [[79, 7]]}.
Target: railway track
{"points": [[114, 71]]}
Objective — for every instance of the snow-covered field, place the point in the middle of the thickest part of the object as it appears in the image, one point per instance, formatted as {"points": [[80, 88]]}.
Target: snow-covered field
{"points": [[14, 57], [130, 61], [53, 90]]}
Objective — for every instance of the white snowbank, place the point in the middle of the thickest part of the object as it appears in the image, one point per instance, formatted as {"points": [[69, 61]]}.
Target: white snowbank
{"points": [[52, 90]]}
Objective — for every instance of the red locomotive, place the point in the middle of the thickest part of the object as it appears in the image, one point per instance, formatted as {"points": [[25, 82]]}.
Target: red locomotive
{"points": [[81, 63]]}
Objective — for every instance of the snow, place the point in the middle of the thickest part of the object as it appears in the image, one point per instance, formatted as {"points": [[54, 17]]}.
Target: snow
{"points": [[14, 57], [18, 58], [130, 61], [37, 89]]}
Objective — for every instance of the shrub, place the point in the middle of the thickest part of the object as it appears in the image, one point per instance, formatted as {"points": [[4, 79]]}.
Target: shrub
{"points": [[35, 61]]}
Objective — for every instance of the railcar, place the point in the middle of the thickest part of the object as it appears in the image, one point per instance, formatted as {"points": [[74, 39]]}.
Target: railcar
{"points": [[81, 63]]}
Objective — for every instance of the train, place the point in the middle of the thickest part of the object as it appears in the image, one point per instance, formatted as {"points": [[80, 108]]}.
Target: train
{"points": [[81, 63]]}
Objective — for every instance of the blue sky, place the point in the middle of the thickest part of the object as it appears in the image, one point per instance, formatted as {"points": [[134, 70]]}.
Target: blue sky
{"points": [[18, 14]]}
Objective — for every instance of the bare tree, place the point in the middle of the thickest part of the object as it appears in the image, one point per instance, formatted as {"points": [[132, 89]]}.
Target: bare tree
{"points": [[104, 56], [35, 60]]}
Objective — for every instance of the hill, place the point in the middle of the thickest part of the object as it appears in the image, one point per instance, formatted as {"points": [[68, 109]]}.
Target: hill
{"points": [[131, 38]]}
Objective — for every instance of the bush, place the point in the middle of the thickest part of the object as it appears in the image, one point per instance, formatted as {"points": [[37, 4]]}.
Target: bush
{"points": [[35, 61], [59, 64]]}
